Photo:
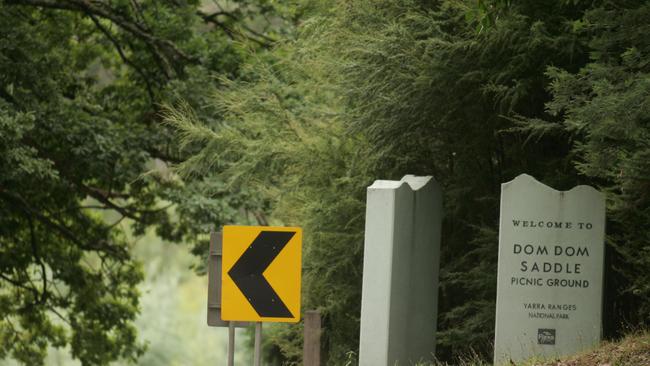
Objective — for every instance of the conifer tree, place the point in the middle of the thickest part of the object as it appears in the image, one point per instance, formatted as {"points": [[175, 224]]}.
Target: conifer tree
{"points": [[474, 95]]}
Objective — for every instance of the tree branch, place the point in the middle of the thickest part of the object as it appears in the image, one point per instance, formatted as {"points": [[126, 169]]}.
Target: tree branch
{"points": [[21, 285], [99, 9], [156, 153], [63, 231], [138, 10], [38, 259], [266, 41], [109, 193], [105, 200], [126, 60], [53, 310], [8, 97], [212, 18], [260, 218]]}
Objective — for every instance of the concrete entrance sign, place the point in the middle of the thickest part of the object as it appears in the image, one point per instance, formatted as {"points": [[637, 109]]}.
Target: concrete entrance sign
{"points": [[399, 300], [550, 276]]}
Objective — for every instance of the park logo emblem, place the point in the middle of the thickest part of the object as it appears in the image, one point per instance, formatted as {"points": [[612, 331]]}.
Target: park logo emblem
{"points": [[546, 336]]}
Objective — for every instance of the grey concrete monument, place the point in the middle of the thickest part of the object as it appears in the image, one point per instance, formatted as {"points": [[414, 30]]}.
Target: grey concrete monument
{"points": [[550, 276], [400, 272]]}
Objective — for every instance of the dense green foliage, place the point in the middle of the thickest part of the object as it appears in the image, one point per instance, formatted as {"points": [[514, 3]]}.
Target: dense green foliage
{"points": [[605, 111], [81, 84], [285, 113], [474, 95]]}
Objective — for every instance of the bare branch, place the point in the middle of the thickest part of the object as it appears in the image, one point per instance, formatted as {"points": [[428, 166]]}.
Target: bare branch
{"points": [[62, 230], [37, 257], [126, 60], [105, 200], [260, 217], [20, 285], [53, 310], [109, 193], [138, 10], [254, 36]]}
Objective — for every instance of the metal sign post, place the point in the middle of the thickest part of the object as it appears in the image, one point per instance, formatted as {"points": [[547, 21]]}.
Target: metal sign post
{"points": [[231, 343], [257, 356]]}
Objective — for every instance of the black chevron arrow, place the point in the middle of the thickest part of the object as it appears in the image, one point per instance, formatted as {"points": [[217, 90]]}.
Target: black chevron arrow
{"points": [[247, 273]]}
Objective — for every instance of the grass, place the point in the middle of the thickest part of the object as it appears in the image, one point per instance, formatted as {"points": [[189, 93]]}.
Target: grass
{"points": [[633, 350]]}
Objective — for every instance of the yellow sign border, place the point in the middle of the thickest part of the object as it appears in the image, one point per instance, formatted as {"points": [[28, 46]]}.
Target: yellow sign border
{"points": [[283, 273]]}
